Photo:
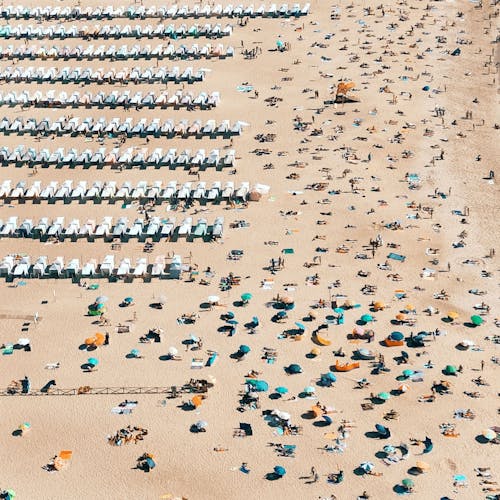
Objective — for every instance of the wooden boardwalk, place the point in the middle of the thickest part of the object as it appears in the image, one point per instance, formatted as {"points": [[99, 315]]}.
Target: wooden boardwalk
{"points": [[171, 392]]}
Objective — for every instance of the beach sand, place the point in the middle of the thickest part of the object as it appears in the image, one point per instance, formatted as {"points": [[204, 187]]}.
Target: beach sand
{"points": [[187, 465]]}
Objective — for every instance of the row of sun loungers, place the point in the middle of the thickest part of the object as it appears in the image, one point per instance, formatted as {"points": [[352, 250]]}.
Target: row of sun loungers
{"points": [[162, 12], [89, 52], [29, 32], [101, 76], [23, 266], [115, 158], [114, 99], [155, 228], [101, 126], [100, 191]]}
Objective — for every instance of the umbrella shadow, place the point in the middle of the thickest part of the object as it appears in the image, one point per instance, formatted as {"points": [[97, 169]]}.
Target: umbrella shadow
{"points": [[381, 454], [87, 367], [481, 439], [308, 415], [186, 407], [399, 489], [165, 357], [358, 471], [468, 324], [272, 476], [360, 322], [372, 435], [17, 433], [275, 395], [238, 303], [321, 423], [205, 305], [447, 320], [414, 471]]}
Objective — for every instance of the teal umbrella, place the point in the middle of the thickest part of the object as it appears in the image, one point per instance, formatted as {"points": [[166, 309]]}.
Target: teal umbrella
{"points": [[246, 296], [294, 368], [408, 373], [309, 389], [128, 300], [408, 483], [300, 326], [280, 471], [450, 370], [339, 310], [281, 390], [366, 318], [244, 349], [258, 385], [134, 353], [396, 336], [93, 361], [476, 320], [384, 396]]}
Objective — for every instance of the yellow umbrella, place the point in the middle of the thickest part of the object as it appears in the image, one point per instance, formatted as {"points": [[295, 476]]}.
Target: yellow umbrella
{"points": [[410, 307], [315, 351], [453, 315], [423, 466]]}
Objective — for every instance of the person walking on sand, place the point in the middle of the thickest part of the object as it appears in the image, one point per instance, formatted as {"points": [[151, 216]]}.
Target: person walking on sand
{"points": [[482, 364]]}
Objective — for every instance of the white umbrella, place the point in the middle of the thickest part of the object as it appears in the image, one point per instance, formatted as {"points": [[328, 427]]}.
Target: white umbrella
{"points": [[213, 299], [23, 341], [173, 351]]}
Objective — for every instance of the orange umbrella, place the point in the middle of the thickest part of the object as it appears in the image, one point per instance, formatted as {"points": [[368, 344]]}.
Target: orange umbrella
{"points": [[287, 300], [423, 466], [197, 401], [403, 388], [90, 341], [65, 454], [400, 317], [99, 339], [317, 411], [378, 306], [410, 307]]}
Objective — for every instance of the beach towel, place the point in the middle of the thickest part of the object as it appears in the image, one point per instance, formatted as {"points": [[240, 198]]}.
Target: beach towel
{"points": [[288, 250], [396, 256]]}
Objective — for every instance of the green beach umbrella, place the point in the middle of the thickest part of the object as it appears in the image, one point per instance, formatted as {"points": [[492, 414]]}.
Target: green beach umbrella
{"points": [[450, 370], [384, 396], [246, 296], [408, 483], [476, 320]]}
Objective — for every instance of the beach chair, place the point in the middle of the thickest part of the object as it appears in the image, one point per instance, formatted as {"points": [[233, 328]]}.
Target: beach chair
{"points": [[197, 363]]}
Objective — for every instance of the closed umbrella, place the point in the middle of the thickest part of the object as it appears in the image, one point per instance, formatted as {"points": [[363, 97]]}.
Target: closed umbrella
{"points": [[25, 426], [300, 326], [397, 336], [93, 361], [244, 349], [280, 471], [281, 390], [476, 320], [294, 368]]}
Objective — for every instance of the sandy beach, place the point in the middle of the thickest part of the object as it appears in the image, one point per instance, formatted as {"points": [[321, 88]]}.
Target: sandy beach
{"points": [[375, 129]]}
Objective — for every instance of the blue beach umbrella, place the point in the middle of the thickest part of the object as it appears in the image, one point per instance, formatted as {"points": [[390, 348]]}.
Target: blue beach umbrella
{"points": [[279, 470], [93, 361], [281, 390]]}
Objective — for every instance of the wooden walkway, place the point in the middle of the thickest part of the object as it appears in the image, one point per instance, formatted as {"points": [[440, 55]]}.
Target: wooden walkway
{"points": [[171, 392]]}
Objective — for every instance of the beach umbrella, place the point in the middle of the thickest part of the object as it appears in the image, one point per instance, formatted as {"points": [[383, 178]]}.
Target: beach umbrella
{"points": [[400, 317], [128, 300], [201, 424], [450, 370], [408, 483], [90, 340], [173, 351], [339, 310], [101, 299], [384, 396], [426, 88], [258, 385], [287, 300], [408, 373], [428, 445], [388, 448], [93, 361], [452, 315], [328, 419], [162, 300], [309, 389], [255, 321], [315, 351], [489, 434], [244, 349], [151, 463], [367, 466], [403, 388], [213, 299], [281, 390], [280, 471], [366, 318], [229, 314], [246, 296], [281, 314], [364, 352], [467, 343], [423, 466], [134, 353], [295, 368], [232, 322], [25, 426], [476, 320], [396, 336], [330, 376], [358, 330], [300, 326], [197, 400], [283, 415], [378, 305], [100, 306], [10, 494], [382, 430]]}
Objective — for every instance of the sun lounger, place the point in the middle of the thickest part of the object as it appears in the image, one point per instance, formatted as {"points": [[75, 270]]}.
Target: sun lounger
{"points": [[197, 363]]}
